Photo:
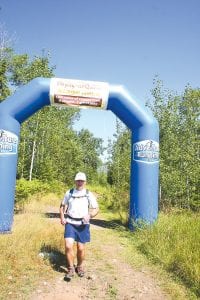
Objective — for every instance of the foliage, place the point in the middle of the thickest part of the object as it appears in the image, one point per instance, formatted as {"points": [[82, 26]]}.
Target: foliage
{"points": [[6, 54], [178, 117], [119, 170], [55, 150], [91, 149], [17, 69], [25, 190], [23, 70], [105, 195], [173, 242], [47, 145], [119, 160]]}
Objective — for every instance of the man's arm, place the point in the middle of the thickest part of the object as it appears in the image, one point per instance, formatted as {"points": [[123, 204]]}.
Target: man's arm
{"points": [[63, 208], [93, 212]]}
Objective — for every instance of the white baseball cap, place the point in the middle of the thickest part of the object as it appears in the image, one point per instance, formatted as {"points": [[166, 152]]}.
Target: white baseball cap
{"points": [[80, 176]]}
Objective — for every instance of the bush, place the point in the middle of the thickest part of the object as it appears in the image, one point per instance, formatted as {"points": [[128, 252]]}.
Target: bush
{"points": [[25, 189], [104, 195]]}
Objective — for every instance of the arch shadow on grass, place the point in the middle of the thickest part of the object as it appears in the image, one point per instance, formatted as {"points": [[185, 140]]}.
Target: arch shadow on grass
{"points": [[111, 224], [53, 215]]}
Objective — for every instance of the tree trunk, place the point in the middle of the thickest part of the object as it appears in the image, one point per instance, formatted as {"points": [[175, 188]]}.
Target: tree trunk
{"points": [[32, 160]]}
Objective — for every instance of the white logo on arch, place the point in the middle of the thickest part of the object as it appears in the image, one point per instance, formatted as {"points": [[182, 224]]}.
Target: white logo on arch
{"points": [[146, 151], [8, 142]]}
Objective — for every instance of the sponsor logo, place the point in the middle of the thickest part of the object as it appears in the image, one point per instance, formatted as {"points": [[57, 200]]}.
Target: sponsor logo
{"points": [[147, 151], [8, 142]]}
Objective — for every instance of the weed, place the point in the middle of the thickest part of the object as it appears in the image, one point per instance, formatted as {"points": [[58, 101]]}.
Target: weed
{"points": [[112, 291]]}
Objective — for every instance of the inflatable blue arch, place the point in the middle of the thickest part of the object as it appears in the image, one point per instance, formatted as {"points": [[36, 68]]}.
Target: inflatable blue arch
{"points": [[67, 92]]}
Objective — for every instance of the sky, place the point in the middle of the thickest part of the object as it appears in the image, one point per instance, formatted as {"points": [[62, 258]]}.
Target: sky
{"points": [[126, 42]]}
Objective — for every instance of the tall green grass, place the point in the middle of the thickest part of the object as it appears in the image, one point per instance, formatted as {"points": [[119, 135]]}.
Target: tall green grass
{"points": [[174, 242]]}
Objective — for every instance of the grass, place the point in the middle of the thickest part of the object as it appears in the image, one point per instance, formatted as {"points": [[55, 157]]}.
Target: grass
{"points": [[112, 292], [132, 255], [172, 243], [21, 267]]}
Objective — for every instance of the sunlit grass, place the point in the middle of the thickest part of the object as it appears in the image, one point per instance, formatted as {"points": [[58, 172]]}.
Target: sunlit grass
{"points": [[21, 266], [174, 242], [132, 254]]}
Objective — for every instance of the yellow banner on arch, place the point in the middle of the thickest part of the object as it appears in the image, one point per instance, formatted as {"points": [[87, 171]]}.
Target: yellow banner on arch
{"points": [[79, 93]]}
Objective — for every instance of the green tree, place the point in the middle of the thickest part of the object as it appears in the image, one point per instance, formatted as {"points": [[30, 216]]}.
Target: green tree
{"points": [[190, 146], [119, 161], [178, 118], [48, 147], [6, 54], [91, 148], [24, 70], [119, 169]]}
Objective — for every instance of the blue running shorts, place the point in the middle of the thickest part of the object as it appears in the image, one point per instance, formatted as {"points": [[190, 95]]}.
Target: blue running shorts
{"points": [[79, 233]]}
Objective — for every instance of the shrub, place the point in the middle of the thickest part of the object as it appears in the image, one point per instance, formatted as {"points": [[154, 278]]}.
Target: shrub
{"points": [[25, 189]]}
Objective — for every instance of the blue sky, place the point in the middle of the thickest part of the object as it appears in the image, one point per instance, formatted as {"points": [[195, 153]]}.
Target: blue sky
{"points": [[118, 41]]}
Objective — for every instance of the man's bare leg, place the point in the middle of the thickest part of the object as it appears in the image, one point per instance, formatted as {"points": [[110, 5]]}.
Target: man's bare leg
{"points": [[69, 252], [80, 258]]}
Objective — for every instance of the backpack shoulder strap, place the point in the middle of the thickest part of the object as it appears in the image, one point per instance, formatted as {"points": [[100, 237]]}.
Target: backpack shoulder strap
{"points": [[71, 191], [87, 195], [70, 195]]}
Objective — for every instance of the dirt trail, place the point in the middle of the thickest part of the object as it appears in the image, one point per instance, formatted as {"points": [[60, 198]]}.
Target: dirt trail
{"points": [[108, 276]]}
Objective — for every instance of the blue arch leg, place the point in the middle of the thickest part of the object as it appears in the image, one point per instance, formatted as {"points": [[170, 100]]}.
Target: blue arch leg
{"points": [[9, 134], [143, 187]]}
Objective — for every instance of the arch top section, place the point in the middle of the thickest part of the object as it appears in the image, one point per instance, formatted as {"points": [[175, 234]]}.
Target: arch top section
{"points": [[132, 112], [27, 100], [79, 93]]}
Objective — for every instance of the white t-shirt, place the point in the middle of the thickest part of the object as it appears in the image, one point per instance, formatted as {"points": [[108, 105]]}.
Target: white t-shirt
{"points": [[78, 204]]}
